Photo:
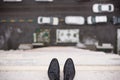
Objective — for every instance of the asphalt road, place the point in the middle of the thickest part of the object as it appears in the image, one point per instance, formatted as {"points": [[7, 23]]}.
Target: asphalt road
{"points": [[13, 33]]}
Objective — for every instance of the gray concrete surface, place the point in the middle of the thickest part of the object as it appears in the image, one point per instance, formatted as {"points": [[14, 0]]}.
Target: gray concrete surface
{"points": [[33, 64]]}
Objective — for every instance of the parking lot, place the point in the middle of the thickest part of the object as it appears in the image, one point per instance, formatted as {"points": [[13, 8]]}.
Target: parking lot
{"points": [[18, 22]]}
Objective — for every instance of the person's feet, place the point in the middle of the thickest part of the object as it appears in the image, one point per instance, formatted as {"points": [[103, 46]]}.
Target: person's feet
{"points": [[69, 69], [54, 70]]}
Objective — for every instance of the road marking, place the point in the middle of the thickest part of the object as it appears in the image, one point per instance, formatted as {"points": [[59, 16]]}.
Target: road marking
{"points": [[61, 19], [30, 20], [3, 20], [12, 20], [45, 68], [21, 20]]}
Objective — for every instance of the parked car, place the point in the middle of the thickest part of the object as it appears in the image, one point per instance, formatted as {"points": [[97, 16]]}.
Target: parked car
{"points": [[44, 0], [116, 20], [74, 20], [48, 20], [98, 8], [96, 19], [12, 0]]}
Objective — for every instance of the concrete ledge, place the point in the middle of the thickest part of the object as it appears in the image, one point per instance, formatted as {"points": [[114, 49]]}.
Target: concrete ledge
{"points": [[45, 68]]}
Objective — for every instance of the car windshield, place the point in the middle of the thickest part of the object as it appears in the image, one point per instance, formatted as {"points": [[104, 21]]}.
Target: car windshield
{"points": [[99, 7], [41, 19], [93, 19], [109, 7], [51, 20], [117, 19]]}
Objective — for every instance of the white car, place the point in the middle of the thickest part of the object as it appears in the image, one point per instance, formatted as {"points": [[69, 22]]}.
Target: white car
{"points": [[96, 19], [48, 20], [44, 0], [75, 20], [98, 8], [12, 0]]}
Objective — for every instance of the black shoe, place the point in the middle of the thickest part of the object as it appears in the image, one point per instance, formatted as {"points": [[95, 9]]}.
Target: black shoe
{"points": [[69, 69], [54, 70]]}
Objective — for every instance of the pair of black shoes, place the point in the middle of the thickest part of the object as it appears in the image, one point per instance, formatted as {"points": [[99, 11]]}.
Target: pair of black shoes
{"points": [[54, 70]]}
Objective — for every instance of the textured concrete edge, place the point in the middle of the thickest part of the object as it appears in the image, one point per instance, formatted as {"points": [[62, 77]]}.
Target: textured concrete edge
{"points": [[45, 68]]}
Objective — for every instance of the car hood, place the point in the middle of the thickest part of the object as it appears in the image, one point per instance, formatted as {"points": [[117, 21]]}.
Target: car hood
{"points": [[74, 20]]}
